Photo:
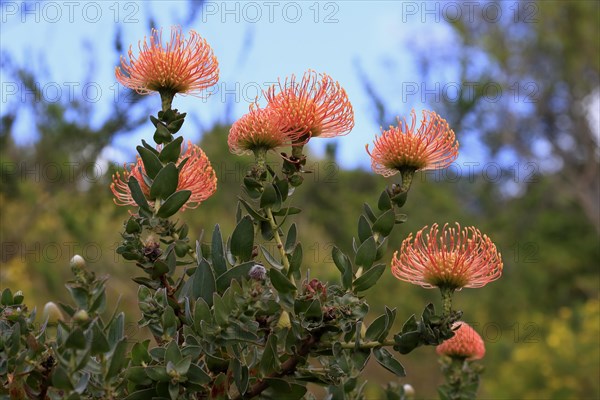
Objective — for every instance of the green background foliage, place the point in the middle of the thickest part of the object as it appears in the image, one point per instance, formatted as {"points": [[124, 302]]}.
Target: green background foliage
{"points": [[539, 321]]}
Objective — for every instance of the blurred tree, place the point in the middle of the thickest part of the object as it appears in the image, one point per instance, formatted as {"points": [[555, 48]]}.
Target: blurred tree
{"points": [[529, 87]]}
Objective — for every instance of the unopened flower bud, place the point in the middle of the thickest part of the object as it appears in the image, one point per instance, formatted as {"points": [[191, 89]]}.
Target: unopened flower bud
{"points": [[77, 261], [409, 391], [51, 313], [258, 272], [284, 320], [81, 316]]}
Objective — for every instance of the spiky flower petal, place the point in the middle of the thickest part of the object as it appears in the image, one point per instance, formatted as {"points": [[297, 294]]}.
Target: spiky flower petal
{"points": [[186, 66], [451, 259], [432, 146], [316, 106], [258, 130]]}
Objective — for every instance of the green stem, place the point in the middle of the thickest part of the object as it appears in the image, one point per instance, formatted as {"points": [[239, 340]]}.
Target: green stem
{"points": [[297, 151], [407, 177], [361, 345], [166, 98], [284, 259], [446, 301], [260, 157]]}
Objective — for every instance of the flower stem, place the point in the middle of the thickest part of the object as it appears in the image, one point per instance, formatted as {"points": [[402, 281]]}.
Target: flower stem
{"points": [[284, 259], [260, 157], [407, 177], [361, 345], [446, 301], [166, 98]]}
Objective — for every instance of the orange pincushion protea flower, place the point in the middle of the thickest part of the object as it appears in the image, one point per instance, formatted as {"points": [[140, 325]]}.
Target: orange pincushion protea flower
{"points": [[432, 146], [315, 106], [466, 343], [185, 66], [197, 176], [258, 130], [451, 259]]}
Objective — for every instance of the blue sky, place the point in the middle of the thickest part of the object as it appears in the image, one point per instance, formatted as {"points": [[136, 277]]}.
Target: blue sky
{"points": [[282, 38]]}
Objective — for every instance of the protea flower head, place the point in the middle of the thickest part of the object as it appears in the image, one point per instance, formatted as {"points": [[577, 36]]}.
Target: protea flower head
{"points": [[432, 145], [197, 176], [258, 130], [451, 259], [465, 344], [316, 106], [186, 66]]}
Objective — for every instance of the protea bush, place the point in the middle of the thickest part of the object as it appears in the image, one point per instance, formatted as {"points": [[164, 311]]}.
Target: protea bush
{"points": [[229, 318]]}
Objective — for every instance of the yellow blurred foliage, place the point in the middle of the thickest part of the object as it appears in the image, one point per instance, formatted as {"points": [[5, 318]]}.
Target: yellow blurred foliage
{"points": [[551, 367]]}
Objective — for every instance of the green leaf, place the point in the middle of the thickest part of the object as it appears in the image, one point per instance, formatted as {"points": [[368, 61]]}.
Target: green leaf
{"points": [[250, 210], [428, 313], [369, 278], [139, 353], [143, 394], [369, 213], [407, 342], [197, 375], [377, 328], [281, 282], [76, 340], [365, 255], [99, 342], [171, 152], [146, 145], [290, 241], [364, 229], [410, 325], [385, 223], [118, 360], [183, 366], [283, 389], [137, 375], [342, 262], [269, 197], [266, 231], [6, 297], [152, 164], [173, 203], [400, 199], [269, 362], [240, 375], [165, 183], [283, 188], [172, 353], [60, 379], [175, 125], [169, 320], [242, 239], [238, 272], [220, 310], [287, 211], [385, 203], [162, 134], [136, 193], [160, 268], [201, 313], [203, 282], [296, 261], [158, 373], [387, 361], [217, 252], [270, 259]]}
